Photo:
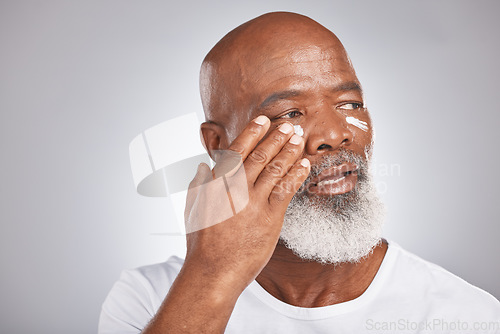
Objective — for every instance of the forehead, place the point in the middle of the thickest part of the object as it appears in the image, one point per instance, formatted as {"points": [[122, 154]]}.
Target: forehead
{"points": [[299, 60], [309, 69]]}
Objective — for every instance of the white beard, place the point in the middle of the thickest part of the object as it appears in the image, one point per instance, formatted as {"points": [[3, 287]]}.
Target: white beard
{"points": [[342, 228]]}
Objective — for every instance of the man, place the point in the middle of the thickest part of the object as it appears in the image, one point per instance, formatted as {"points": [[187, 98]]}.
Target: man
{"points": [[305, 254]]}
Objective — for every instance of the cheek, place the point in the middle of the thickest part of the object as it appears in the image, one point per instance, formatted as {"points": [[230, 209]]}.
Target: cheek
{"points": [[361, 125], [359, 119], [364, 136]]}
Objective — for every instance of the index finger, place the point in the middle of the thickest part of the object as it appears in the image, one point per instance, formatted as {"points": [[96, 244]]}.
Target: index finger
{"points": [[232, 158]]}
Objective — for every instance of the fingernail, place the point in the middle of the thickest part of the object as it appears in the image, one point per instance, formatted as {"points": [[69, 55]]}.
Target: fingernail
{"points": [[295, 139], [285, 128], [305, 162], [261, 120]]}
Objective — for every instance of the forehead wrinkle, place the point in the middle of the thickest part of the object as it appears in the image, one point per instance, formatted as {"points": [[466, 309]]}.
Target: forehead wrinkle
{"points": [[297, 81], [317, 52], [301, 74], [270, 62], [286, 94]]}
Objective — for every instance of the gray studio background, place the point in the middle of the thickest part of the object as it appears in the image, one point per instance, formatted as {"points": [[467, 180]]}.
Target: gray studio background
{"points": [[80, 79]]}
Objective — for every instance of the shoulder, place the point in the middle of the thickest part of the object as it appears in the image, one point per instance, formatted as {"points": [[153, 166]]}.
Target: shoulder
{"points": [[137, 295], [154, 274], [439, 287], [154, 279]]}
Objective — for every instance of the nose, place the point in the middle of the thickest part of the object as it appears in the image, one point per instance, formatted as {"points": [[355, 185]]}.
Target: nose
{"points": [[328, 132]]}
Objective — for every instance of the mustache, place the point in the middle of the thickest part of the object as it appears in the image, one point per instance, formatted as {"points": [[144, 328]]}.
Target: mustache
{"points": [[342, 156], [331, 160]]}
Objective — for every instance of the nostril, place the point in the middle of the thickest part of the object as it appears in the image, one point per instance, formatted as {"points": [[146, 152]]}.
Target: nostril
{"points": [[323, 147]]}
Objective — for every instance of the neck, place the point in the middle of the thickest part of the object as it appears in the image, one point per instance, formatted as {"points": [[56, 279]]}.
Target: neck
{"points": [[311, 284]]}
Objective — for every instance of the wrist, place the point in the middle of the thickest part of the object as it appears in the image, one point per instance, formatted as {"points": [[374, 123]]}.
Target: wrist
{"points": [[222, 282]]}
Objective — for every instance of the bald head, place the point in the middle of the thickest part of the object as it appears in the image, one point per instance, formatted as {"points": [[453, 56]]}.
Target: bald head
{"points": [[237, 62], [258, 57]]}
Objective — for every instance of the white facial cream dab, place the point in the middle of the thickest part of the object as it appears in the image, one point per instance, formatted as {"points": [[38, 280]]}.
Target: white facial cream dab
{"points": [[298, 130], [357, 123]]}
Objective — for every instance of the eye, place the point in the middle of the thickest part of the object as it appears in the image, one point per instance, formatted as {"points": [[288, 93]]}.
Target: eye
{"points": [[290, 114], [350, 106]]}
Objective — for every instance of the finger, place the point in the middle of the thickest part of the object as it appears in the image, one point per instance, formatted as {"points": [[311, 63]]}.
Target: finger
{"points": [[203, 175], [267, 150], [275, 170], [288, 185], [231, 159]]}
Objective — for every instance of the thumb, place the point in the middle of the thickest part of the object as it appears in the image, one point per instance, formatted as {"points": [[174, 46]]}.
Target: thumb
{"points": [[203, 175]]}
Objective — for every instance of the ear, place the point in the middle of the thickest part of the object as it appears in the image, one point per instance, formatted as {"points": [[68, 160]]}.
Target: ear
{"points": [[213, 138]]}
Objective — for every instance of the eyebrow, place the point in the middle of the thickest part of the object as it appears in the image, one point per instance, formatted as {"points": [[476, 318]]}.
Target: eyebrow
{"points": [[278, 96], [283, 95], [348, 86]]}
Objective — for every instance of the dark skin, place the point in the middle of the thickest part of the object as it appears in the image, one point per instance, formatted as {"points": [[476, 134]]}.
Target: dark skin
{"points": [[292, 70]]}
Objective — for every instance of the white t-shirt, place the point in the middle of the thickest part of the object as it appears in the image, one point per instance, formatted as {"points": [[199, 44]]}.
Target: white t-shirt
{"points": [[407, 295]]}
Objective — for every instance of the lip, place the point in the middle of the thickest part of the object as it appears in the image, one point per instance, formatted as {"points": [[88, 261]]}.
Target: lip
{"points": [[335, 180]]}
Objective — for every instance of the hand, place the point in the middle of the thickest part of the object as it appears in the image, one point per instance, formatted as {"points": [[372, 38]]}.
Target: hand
{"points": [[237, 216]]}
